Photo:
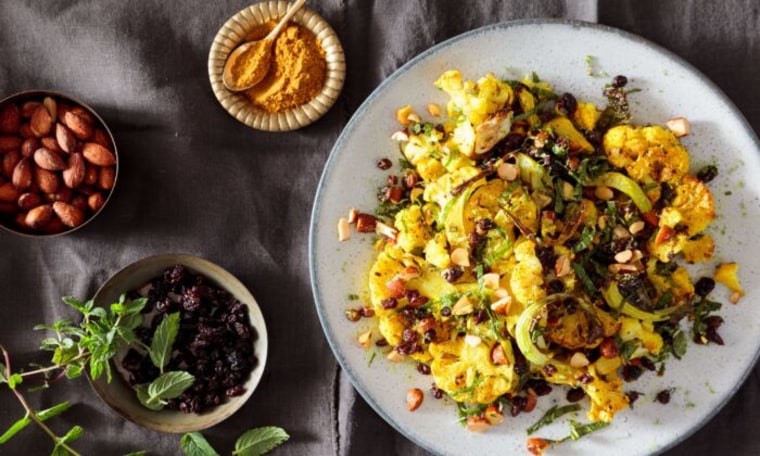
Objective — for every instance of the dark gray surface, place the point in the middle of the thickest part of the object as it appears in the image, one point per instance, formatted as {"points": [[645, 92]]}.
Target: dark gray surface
{"points": [[195, 180]]}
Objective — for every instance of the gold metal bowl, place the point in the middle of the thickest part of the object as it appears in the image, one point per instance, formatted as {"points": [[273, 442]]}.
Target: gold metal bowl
{"points": [[234, 31]]}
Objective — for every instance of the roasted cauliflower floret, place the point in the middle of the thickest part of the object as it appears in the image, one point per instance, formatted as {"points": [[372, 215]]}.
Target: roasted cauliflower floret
{"points": [[692, 207], [464, 370], [649, 154], [413, 233], [527, 279], [474, 100]]}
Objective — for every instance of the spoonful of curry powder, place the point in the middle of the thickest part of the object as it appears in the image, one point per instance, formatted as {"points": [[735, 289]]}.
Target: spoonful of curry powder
{"points": [[297, 72]]}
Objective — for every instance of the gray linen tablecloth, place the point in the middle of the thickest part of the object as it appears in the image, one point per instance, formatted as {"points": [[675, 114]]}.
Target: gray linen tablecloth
{"points": [[195, 180]]}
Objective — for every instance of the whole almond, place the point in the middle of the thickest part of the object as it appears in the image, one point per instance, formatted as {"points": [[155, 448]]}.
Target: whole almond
{"points": [[22, 174], [29, 200], [28, 108], [83, 113], [63, 108], [80, 202], [63, 194], [102, 138], [8, 208], [91, 174], [78, 125], [96, 201], [65, 138], [73, 176], [29, 146], [10, 119], [47, 181], [25, 131], [68, 213], [10, 160], [9, 143], [107, 177], [9, 192], [41, 122], [51, 144], [98, 155], [39, 216], [49, 160], [51, 106]]}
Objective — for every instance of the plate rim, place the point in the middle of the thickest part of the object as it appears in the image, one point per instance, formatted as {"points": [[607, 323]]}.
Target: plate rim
{"points": [[358, 114]]}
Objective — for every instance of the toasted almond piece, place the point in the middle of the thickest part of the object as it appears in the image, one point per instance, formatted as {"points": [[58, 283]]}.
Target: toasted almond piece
{"points": [[91, 173], [385, 230], [28, 108], [102, 138], [604, 193], [400, 136], [353, 213], [501, 293], [409, 273], [10, 119], [491, 280], [472, 341], [501, 306], [414, 398], [624, 256], [679, 126], [29, 146], [578, 360], [562, 266], [735, 297], [637, 255], [494, 415], [636, 226], [498, 356], [344, 231], [365, 338], [619, 232], [477, 423], [507, 171], [601, 222], [74, 175], [462, 307], [619, 268], [460, 257], [10, 160], [434, 109], [394, 356]]}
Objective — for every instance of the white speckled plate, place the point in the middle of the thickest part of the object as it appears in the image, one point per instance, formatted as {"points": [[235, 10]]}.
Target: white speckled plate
{"points": [[707, 376], [233, 33]]}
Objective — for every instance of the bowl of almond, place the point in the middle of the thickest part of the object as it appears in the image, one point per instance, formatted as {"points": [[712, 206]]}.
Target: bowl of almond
{"points": [[58, 163]]}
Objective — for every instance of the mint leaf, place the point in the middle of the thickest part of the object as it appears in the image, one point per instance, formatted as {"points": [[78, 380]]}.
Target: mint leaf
{"points": [[73, 434], [15, 429], [167, 386], [15, 380], [43, 415], [194, 444], [258, 441], [163, 339], [75, 303]]}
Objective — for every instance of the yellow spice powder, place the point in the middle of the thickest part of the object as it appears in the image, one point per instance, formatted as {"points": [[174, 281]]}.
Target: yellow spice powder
{"points": [[297, 73]]}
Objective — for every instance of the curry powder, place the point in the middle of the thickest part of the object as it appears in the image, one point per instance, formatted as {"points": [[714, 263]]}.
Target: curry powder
{"points": [[297, 73]]}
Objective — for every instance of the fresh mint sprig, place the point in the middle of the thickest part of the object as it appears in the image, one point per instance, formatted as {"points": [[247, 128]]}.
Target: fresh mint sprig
{"points": [[254, 442]]}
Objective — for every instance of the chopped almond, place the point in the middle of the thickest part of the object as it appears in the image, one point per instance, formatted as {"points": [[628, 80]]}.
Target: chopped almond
{"points": [[477, 424], [460, 257], [679, 126], [498, 356], [353, 213], [414, 399], [507, 171], [344, 231], [394, 356], [494, 415], [365, 339], [385, 230], [462, 307], [434, 109], [402, 115], [578, 360], [491, 280], [472, 341]]}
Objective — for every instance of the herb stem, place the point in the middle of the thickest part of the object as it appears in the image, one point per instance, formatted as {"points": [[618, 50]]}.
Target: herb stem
{"points": [[64, 367], [33, 416]]}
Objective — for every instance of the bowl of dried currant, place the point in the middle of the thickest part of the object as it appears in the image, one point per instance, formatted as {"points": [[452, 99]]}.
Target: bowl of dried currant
{"points": [[58, 163], [198, 343]]}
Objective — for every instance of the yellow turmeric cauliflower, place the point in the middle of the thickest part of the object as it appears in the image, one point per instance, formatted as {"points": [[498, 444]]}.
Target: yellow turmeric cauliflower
{"points": [[649, 154]]}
